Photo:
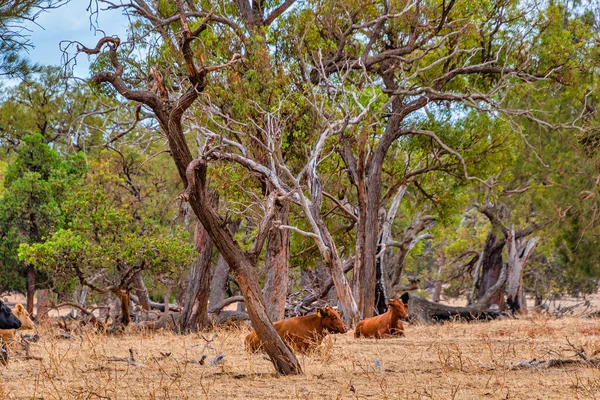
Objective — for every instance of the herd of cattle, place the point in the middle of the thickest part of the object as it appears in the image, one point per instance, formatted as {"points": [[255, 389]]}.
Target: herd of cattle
{"points": [[301, 333]]}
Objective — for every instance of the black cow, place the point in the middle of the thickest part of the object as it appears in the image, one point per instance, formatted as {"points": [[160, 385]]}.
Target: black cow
{"points": [[7, 319]]}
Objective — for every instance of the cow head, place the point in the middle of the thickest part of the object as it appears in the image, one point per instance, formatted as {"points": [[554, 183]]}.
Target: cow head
{"points": [[23, 316], [7, 319], [331, 321], [398, 308]]}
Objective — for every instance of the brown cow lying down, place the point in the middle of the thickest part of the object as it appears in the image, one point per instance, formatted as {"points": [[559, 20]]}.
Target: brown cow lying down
{"points": [[304, 333], [384, 325], [26, 323]]}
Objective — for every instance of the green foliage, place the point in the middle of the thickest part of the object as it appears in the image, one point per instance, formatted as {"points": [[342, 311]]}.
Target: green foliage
{"points": [[60, 111], [30, 207], [109, 232]]}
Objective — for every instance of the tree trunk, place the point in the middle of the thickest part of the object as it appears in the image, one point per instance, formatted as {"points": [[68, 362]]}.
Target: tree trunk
{"points": [[169, 113], [30, 289], [350, 314], [326, 287], [491, 265], [437, 291], [125, 306], [380, 292], [369, 275], [356, 172], [141, 291], [322, 280], [518, 254], [218, 286], [42, 304], [194, 316], [277, 265], [386, 257], [437, 286], [245, 271]]}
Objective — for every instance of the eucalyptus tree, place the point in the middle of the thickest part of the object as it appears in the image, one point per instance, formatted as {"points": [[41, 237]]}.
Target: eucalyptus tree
{"points": [[427, 57], [168, 90]]}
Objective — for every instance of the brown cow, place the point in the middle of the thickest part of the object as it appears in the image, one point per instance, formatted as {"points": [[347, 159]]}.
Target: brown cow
{"points": [[303, 333], [384, 325], [26, 323]]}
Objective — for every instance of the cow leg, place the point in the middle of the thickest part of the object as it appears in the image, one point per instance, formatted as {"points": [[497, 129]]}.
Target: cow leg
{"points": [[397, 332]]}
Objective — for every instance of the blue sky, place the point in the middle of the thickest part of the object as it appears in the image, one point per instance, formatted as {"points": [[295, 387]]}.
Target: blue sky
{"points": [[71, 22]]}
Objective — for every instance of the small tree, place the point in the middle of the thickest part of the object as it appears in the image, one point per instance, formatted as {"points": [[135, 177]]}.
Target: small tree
{"points": [[36, 184], [105, 247]]}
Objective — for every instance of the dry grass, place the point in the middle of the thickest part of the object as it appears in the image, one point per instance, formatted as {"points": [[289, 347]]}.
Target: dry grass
{"points": [[452, 361]]}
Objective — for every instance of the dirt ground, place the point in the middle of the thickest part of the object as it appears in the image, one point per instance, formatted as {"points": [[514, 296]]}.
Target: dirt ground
{"points": [[454, 360]]}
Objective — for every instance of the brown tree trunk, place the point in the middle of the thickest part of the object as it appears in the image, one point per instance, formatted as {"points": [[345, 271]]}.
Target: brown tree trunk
{"points": [[356, 173], [141, 291], [245, 271], [194, 316], [125, 306], [218, 286], [437, 291], [30, 289], [169, 113], [491, 265], [277, 265], [369, 280]]}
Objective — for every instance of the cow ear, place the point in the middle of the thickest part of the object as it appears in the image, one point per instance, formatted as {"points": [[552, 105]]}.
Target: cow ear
{"points": [[320, 312]]}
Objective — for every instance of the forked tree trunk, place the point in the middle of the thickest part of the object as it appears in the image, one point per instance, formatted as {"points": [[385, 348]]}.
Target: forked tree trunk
{"points": [[169, 112], [30, 289], [141, 291], [277, 265], [245, 271]]}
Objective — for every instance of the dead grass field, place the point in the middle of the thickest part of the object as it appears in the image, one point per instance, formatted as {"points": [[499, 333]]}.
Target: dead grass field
{"points": [[456, 360]]}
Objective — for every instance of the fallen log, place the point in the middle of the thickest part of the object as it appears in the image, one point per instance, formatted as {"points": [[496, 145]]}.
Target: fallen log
{"points": [[156, 306], [226, 316], [424, 311], [554, 363], [230, 300]]}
